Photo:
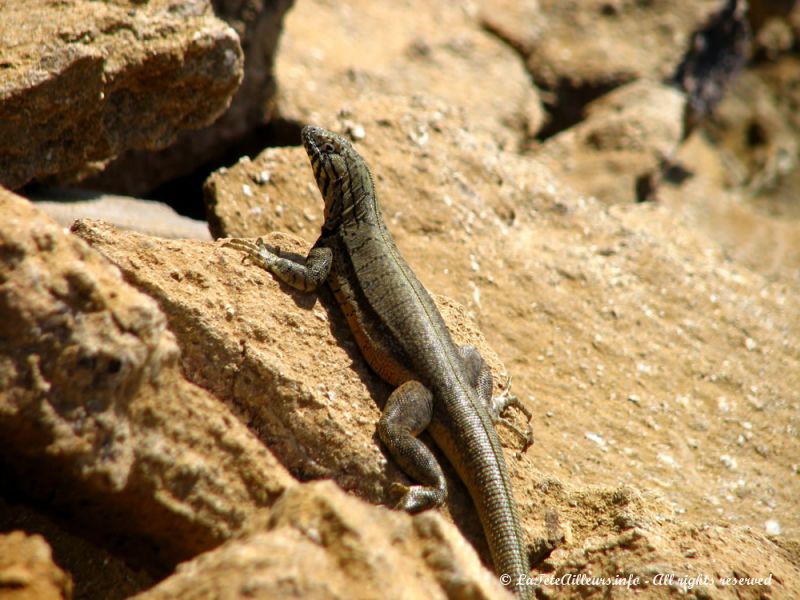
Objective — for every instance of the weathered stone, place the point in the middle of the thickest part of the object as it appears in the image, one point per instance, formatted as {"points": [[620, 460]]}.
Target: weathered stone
{"points": [[95, 571], [426, 189], [94, 415], [597, 43], [641, 550], [661, 362], [742, 170], [144, 216], [423, 48], [291, 369], [322, 543], [627, 135], [258, 24], [586, 304], [27, 571], [83, 81]]}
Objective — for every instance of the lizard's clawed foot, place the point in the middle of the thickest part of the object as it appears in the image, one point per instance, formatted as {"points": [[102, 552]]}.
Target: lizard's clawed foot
{"points": [[501, 403], [416, 498], [255, 251]]}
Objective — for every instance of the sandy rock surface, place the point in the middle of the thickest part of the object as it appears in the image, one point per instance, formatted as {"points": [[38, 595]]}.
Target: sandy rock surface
{"points": [[321, 543], [83, 81], [144, 216], [168, 409], [225, 315], [743, 172], [257, 24], [386, 46], [597, 43], [95, 571], [92, 397], [624, 138], [704, 425], [579, 50], [27, 571]]}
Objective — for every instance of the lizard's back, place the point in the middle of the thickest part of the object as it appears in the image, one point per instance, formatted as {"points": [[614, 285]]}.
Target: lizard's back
{"points": [[396, 323]]}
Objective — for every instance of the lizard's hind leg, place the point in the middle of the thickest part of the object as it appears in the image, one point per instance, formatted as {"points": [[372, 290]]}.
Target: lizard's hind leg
{"points": [[407, 413], [481, 376]]}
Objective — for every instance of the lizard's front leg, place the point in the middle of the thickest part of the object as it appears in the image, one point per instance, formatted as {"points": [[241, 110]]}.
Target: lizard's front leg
{"points": [[407, 413], [307, 277]]}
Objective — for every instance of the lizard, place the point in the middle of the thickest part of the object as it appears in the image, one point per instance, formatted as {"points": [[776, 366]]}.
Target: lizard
{"points": [[439, 386]]}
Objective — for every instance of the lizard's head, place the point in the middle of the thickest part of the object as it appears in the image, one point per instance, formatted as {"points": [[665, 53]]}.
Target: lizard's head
{"points": [[342, 175]]}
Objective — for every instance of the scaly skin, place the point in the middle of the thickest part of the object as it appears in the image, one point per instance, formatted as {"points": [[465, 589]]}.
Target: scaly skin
{"points": [[439, 386]]}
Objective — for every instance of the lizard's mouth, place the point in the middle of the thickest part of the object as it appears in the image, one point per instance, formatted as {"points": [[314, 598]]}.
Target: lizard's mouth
{"points": [[309, 144], [311, 141]]}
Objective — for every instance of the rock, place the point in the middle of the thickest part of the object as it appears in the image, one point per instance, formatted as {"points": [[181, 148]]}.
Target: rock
{"points": [[322, 543], [95, 416], [741, 171], [633, 541], [144, 216], [582, 49], [426, 189], [627, 135], [758, 128], [627, 41], [95, 572], [289, 368], [258, 25], [84, 83], [430, 49], [274, 192], [764, 13], [27, 571], [586, 303], [667, 331], [667, 560]]}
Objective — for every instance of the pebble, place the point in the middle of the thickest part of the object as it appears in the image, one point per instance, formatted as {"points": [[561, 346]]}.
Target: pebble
{"points": [[593, 437], [667, 459], [773, 527]]}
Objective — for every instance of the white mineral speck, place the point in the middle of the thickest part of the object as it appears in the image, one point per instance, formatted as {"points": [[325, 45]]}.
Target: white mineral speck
{"points": [[357, 132], [666, 459], [593, 437], [772, 527]]}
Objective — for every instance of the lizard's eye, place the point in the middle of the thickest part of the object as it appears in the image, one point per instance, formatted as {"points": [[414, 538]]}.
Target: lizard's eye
{"points": [[327, 148]]}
